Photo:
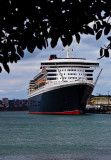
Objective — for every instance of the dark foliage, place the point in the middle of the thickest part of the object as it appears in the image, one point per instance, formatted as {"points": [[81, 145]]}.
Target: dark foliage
{"points": [[29, 24]]}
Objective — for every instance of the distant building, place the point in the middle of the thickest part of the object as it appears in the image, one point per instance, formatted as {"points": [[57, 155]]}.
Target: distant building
{"points": [[11, 103], [101, 100], [5, 102], [1, 104], [18, 104]]}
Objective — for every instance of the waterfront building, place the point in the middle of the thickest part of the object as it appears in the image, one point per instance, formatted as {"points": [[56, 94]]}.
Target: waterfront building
{"points": [[1, 104], [13, 105], [100, 100], [5, 102]]}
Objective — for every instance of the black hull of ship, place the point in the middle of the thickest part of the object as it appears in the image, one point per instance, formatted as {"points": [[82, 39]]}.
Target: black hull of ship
{"points": [[65, 100]]}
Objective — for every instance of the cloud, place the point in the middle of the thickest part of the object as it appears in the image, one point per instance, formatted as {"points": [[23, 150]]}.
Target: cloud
{"points": [[2, 91]]}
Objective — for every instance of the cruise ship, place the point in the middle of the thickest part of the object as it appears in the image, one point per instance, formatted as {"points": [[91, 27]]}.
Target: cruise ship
{"points": [[63, 86]]}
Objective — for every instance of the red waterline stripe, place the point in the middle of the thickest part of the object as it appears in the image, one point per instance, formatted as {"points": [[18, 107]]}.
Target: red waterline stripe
{"points": [[68, 112]]}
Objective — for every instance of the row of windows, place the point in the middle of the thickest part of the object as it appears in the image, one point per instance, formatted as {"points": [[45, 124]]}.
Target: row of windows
{"points": [[69, 78], [72, 77], [68, 70], [70, 63], [49, 74], [71, 70], [54, 78], [72, 73]]}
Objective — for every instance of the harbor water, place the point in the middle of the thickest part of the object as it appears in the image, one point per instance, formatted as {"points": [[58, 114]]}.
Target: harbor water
{"points": [[55, 137]]}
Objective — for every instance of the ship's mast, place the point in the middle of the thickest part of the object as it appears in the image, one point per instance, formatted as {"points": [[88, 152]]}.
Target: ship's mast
{"points": [[68, 52]]}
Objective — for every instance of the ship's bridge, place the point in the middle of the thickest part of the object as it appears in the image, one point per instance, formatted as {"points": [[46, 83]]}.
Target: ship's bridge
{"points": [[69, 69], [70, 62]]}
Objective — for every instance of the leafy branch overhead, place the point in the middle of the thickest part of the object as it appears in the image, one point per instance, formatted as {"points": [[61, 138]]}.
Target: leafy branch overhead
{"points": [[29, 24]]}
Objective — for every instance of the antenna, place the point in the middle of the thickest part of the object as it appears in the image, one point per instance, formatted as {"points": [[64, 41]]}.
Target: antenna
{"points": [[98, 76], [68, 52]]}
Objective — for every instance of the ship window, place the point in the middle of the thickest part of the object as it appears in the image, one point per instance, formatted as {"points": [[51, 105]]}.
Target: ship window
{"points": [[89, 74], [54, 70], [51, 74], [88, 70], [89, 78], [53, 78]]}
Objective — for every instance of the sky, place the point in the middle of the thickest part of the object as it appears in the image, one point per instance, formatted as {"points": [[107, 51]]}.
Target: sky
{"points": [[15, 84]]}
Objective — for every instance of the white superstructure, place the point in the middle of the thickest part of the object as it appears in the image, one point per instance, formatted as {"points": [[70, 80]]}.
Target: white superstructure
{"points": [[69, 69], [57, 72]]}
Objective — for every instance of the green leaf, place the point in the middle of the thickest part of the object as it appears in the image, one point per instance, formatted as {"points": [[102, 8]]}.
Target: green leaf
{"points": [[70, 39], [109, 38], [107, 29], [85, 31], [31, 44], [39, 44], [98, 35], [20, 51], [6, 67], [106, 53], [101, 52], [53, 43], [64, 41], [11, 59], [44, 43], [94, 27], [23, 44], [89, 30], [98, 26], [78, 38], [31, 47], [0, 69], [16, 58]]}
